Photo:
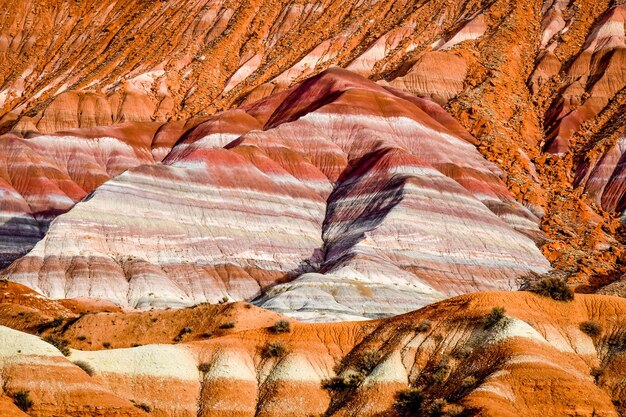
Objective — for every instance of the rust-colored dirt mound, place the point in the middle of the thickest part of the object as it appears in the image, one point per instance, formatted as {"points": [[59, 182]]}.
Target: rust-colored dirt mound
{"points": [[487, 354]]}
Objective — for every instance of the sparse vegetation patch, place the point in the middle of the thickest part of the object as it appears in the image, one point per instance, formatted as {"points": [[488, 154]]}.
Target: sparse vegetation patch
{"points": [[59, 343], [281, 326], [85, 367], [273, 350], [22, 400]]}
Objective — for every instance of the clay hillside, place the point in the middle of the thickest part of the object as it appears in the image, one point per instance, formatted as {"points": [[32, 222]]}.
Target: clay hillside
{"points": [[312, 208]]}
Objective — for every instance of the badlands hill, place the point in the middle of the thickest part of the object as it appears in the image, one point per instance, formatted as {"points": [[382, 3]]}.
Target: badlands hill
{"points": [[90, 89], [542, 357], [337, 196], [311, 208]]}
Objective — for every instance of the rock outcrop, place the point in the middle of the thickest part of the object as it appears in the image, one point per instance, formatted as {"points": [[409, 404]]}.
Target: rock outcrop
{"points": [[540, 357]]}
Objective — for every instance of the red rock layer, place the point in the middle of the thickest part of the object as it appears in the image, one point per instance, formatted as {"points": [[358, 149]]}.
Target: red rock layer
{"points": [[535, 361]]}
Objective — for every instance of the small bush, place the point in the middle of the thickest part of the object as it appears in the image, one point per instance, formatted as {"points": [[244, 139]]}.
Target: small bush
{"points": [[143, 406], [339, 383], [462, 352], [57, 321], [597, 373], [454, 410], [182, 333], [106, 345], [409, 402], [206, 335], [554, 288], [367, 362], [438, 407], [281, 326], [439, 373], [204, 367], [59, 343], [22, 400], [468, 382], [85, 367], [81, 338], [617, 341], [424, 326], [228, 325], [494, 317], [273, 350], [591, 328]]}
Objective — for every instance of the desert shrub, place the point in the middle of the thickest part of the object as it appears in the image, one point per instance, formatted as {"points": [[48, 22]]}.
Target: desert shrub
{"points": [[81, 338], [495, 316], [339, 383], [273, 350], [59, 343], [462, 352], [409, 402], [438, 407], [228, 325], [106, 345], [204, 367], [281, 326], [367, 362], [247, 305], [469, 382], [57, 321], [182, 333], [424, 326], [85, 367], [617, 341], [454, 410], [591, 328], [22, 400], [206, 335], [223, 300], [439, 373], [597, 373], [554, 288], [440, 386], [142, 406]]}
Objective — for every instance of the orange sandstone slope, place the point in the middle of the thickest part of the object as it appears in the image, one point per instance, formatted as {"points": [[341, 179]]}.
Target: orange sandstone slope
{"points": [[537, 360], [540, 84]]}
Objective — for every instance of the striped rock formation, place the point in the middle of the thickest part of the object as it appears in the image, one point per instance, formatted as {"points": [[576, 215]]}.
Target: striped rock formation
{"points": [[42, 176], [536, 82], [59, 388], [591, 81], [380, 192], [535, 361]]}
